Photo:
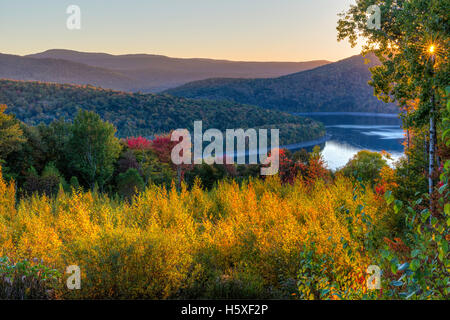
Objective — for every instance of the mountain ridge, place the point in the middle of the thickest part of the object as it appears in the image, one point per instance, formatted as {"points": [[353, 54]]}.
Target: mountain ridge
{"points": [[56, 70], [53, 52], [155, 73], [341, 86]]}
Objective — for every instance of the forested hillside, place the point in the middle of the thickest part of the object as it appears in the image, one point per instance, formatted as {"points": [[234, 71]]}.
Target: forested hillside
{"points": [[145, 114], [339, 86]]}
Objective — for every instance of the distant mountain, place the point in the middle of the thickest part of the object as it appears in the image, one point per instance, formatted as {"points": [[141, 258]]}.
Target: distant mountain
{"points": [[339, 86], [136, 114], [60, 71], [155, 73]]}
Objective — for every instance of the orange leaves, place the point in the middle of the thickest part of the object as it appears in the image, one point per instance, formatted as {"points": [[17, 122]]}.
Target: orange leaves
{"points": [[39, 240], [397, 245], [316, 169], [386, 182]]}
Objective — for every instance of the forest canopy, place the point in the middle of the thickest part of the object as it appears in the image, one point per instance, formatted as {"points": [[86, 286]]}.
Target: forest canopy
{"points": [[136, 114]]}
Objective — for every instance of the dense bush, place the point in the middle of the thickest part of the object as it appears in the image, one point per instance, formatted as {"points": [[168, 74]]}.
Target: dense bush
{"points": [[129, 183], [27, 280], [365, 165], [47, 183], [231, 242]]}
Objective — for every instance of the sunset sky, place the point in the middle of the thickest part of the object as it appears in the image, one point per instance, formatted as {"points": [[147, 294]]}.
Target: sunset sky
{"points": [[246, 30]]}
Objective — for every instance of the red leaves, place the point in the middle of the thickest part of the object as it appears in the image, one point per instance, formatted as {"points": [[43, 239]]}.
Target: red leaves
{"points": [[288, 169], [380, 189], [139, 143], [316, 169], [161, 145], [311, 171]]}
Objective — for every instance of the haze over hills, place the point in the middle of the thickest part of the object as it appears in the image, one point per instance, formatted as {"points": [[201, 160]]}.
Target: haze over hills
{"points": [[141, 72], [319, 86], [336, 87], [59, 71]]}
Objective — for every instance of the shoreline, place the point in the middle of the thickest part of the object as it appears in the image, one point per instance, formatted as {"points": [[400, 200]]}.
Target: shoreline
{"points": [[307, 144], [362, 114]]}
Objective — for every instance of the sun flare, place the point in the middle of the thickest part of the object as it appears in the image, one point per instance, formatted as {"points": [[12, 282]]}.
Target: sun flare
{"points": [[432, 48]]}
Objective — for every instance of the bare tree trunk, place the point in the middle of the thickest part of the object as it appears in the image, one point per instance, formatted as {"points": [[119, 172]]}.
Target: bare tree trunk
{"points": [[432, 150], [407, 145], [432, 154]]}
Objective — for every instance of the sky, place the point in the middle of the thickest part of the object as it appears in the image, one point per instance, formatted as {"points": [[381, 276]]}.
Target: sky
{"points": [[241, 30]]}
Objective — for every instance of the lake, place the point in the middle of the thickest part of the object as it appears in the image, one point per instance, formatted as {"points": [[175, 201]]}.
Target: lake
{"points": [[350, 132]]}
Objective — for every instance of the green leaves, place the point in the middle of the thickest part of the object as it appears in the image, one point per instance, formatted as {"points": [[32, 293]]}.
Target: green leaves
{"points": [[365, 167], [434, 221], [447, 91], [415, 265], [415, 253], [25, 280], [398, 205], [148, 114], [443, 250], [397, 283], [446, 120], [405, 75], [447, 209], [425, 214], [11, 135], [389, 197], [93, 148], [403, 266]]}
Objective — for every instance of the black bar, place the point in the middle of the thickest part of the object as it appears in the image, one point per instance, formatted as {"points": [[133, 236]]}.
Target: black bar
{"points": [[228, 309]]}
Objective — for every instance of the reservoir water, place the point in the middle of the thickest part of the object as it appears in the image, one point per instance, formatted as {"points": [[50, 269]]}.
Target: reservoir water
{"points": [[350, 132]]}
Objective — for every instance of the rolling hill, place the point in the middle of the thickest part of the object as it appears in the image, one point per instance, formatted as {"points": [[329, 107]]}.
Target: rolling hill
{"points": [[60, 71], [340, 86], [143, 72], [136, 114]]}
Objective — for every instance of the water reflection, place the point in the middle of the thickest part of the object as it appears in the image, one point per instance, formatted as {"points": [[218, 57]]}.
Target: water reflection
{"points": [[352, 132]]}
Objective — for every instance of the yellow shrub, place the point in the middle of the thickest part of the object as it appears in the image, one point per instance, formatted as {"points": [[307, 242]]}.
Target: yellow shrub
{"points": [[164, 240], [7, 198]]}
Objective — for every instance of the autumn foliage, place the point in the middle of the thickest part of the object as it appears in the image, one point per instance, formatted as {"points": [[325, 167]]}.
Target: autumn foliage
{"points": [[311, 170], [234, 241], [138, 143]]}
